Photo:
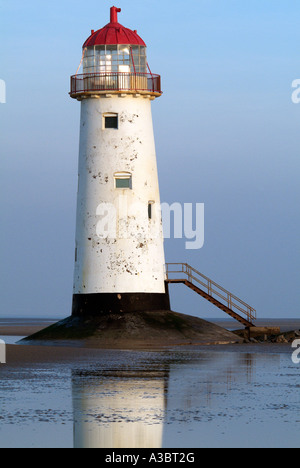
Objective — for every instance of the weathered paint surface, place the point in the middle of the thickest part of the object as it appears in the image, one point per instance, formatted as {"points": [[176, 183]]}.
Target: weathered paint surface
{"points": [[134, 261]]}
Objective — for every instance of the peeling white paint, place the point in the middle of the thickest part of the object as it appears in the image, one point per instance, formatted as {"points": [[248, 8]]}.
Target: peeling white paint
{"points": [[118, 263]]}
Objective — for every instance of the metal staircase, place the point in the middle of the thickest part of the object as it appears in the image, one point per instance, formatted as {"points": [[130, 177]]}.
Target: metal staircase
{"points": [[211, 291]]}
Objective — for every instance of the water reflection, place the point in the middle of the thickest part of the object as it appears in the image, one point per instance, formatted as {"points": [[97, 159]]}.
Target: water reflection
{"points": [[187, 399], [118, 411], [140, 406]]}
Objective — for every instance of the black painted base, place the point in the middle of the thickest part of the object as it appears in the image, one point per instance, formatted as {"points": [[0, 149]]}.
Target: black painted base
{"points": [[105, 303]]}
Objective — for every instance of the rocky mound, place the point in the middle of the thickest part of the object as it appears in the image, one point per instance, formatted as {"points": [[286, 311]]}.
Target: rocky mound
{"points": [[267, 334], [133, 330]]}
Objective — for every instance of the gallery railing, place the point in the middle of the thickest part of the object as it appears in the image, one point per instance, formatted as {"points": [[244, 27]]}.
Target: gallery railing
{"points": [[115, 81]]}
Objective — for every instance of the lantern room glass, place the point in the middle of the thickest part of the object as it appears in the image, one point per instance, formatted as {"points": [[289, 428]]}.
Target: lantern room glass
{"points": [[115, 58]]}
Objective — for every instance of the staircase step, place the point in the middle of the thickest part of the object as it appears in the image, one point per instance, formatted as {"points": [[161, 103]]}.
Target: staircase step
{"points": [[190, 272]]}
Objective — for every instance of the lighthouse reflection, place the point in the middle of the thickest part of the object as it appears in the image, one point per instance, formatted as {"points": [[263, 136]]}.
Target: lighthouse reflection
{"points": [[139, 408], [119, 410]]}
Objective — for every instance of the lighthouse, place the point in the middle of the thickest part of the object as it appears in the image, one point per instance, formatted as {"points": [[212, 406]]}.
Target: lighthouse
{"points": [[120, 291], [119, 251]]}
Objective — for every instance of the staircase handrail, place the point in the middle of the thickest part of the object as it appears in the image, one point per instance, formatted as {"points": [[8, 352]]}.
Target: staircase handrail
{"points": [[231, 300]]}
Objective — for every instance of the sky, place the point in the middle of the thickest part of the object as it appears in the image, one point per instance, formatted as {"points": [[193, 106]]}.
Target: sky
{"points": [[226, 131]]}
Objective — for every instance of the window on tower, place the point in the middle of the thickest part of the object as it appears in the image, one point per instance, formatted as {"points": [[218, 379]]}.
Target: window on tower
{"points": [[123, 180], [111, 121], [150, 209]]}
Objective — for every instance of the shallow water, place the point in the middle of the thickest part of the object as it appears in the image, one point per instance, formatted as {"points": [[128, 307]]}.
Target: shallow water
{"points": [[212, 397]]}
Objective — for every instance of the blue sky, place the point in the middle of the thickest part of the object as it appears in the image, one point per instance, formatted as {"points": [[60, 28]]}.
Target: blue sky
{"points": [[227, 135]]}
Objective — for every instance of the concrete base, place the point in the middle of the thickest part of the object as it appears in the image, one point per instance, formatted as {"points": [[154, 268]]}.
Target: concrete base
{"points": [[146, 329]]}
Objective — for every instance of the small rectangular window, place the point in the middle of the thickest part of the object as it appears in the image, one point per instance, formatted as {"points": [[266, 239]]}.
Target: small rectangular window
{"points": [[150, 209], [123, 180], [123, 183], [111, 121]]}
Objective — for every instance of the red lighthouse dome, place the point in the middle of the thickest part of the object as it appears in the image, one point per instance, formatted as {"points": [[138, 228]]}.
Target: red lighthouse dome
{"points": [[114, 60], [114, 33]]}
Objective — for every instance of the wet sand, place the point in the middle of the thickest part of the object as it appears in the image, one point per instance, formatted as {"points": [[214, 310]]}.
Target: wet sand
{"points": [[20, 356], [26, 354], [23, 327], [20, 330]]}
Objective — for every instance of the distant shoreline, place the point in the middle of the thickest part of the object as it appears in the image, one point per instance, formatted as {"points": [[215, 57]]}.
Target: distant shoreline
{"points": [[23, 326], [27, 326]]}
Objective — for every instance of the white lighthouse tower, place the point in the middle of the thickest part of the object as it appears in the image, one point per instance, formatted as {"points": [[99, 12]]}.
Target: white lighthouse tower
{"points": [[119, 254]]}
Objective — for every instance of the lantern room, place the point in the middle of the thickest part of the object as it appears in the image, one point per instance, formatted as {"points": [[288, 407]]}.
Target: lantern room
{"points": [[114, 58], [122, 58]]}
